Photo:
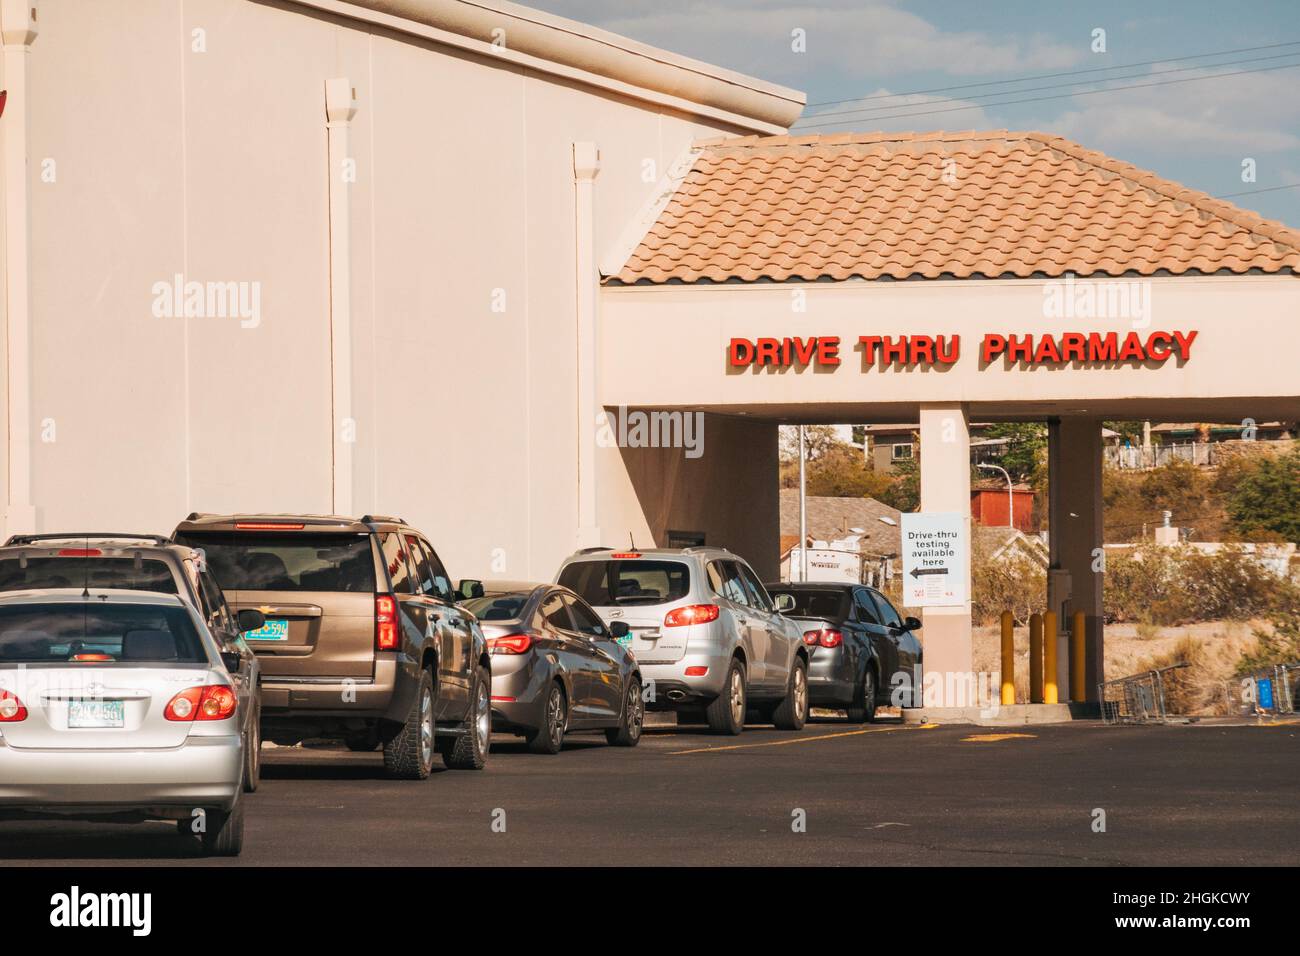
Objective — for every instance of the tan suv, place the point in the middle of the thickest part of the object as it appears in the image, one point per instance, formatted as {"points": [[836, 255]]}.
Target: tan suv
{"points": [[363, 640]]}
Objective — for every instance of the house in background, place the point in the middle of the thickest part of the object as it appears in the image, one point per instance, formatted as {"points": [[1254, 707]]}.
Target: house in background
{"points": [[849, 539], [989, 505]]}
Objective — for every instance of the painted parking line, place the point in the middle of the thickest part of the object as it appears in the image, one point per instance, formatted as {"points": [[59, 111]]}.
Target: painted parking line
{"points": [[995, 738], [799, 740]]}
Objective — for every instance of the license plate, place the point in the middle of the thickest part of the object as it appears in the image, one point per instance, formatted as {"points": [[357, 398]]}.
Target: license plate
{"points": [[270, 631], [95, 713]]}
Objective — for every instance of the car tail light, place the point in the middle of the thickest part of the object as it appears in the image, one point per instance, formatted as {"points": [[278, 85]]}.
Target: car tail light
{"points": [[696, 671], [504, 700], [93, 658], [626, 554], [385, 622], [268, 525], [80, 552], [11, 708], [213, 702], [691, 614], [509, 644], [824, 638]]}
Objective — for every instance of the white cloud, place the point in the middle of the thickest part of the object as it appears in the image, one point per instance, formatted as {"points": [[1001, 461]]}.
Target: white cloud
{"points": [[863, 38]]}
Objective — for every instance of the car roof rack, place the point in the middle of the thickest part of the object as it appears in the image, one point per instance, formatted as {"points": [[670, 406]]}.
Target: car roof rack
{"points": [[86, 535], [380, 519]]}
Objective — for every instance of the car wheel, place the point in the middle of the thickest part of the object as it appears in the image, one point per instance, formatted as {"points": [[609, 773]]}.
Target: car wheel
{"points": [[224, 835], [549, 738], [863, 710], [253, 752], [628, 732], [470, 750], [409, 755], [792, 713], [726, 714]]}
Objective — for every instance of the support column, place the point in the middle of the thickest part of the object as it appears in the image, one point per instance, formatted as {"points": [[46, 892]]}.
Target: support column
{"points": [[1075, 535], [340, 107], [945, 487], [586, 164], [18, 27]]}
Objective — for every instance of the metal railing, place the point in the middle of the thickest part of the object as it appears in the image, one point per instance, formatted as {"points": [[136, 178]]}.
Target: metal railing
{"points": [[1136, 699]]}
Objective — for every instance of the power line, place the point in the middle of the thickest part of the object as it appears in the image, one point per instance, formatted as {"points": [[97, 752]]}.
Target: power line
{"points": [[1052, 76], [1251, 192], [1059, 96], [1050, 86]]}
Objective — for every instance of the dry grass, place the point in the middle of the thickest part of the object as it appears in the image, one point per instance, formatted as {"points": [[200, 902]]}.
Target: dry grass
{"points": [[1212, 648]]}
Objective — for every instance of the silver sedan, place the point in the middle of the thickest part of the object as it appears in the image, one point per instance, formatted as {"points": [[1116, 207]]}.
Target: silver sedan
{"points": [[117, 702]]}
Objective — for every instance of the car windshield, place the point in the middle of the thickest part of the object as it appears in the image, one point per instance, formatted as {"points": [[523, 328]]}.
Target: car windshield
{"points": [[280, 561], [97, 571], [503, 606], [816, 602], [628, 582], [94, 633]]}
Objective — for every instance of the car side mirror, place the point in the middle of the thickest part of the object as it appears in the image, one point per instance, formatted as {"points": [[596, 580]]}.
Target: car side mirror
{"points": [[784, 603], [912, 624], [250, 619], [469, 588], [620, 629], [232, 660]]}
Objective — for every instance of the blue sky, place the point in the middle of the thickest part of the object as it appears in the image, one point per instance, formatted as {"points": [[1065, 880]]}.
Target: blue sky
{"points": [[1198, 132]]}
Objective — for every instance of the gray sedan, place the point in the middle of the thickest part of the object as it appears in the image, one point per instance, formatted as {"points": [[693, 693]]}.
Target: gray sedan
{"points": [[556, 667]]}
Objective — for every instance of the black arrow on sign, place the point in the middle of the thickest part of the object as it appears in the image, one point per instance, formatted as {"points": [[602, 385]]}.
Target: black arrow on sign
{"points": [[917, 572]]}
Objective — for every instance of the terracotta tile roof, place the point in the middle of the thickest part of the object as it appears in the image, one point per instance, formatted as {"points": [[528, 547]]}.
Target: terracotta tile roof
{"points": [[877, 205]]}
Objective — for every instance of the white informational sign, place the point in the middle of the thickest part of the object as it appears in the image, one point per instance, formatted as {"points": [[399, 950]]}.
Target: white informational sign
{"points": [[935, 549], [825, 564]]}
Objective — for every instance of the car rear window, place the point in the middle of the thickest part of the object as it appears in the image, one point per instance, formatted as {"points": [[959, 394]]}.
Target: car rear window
{"points": [[282, 561], [627, 582], [497, 607], [816, 602], [115, 573], [97, 633]]}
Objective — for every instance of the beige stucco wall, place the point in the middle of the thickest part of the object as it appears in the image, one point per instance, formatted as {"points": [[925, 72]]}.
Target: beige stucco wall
{"points": [[212, 165]]}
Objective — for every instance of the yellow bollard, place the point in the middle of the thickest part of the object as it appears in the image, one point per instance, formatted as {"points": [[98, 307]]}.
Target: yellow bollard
{"points": [[1008, 660], [1035, 658], [1077, 665], [1050, 695]]}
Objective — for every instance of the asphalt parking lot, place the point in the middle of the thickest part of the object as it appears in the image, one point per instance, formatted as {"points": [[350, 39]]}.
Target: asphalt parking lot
{"points": [[882, 796]]}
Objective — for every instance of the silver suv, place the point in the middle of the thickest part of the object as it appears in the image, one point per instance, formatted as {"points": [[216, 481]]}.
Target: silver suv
{"points": [[704, 630]]}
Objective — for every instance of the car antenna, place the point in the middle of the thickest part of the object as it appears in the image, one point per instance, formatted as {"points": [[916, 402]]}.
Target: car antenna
{"points": [[630, 540], [85, 574]]}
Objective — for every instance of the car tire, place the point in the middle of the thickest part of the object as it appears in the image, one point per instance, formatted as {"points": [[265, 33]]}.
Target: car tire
{"points": [[409, 754], [792, 712], [470, 750], [549, 738], [863, 710], [224, 835], [253, 753], [726, 713], [628, 732]]}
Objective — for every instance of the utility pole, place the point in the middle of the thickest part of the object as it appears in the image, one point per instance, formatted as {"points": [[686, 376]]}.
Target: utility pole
{"points": [[803, 506]]}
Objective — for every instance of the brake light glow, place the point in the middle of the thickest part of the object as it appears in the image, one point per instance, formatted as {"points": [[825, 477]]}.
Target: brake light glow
{"points": [[626, 554], [93, 658], [11, 708], [691, 614], [824, 638], [510, 644], [268, 526], [79, 552], [385, 622], [213, 702]]}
